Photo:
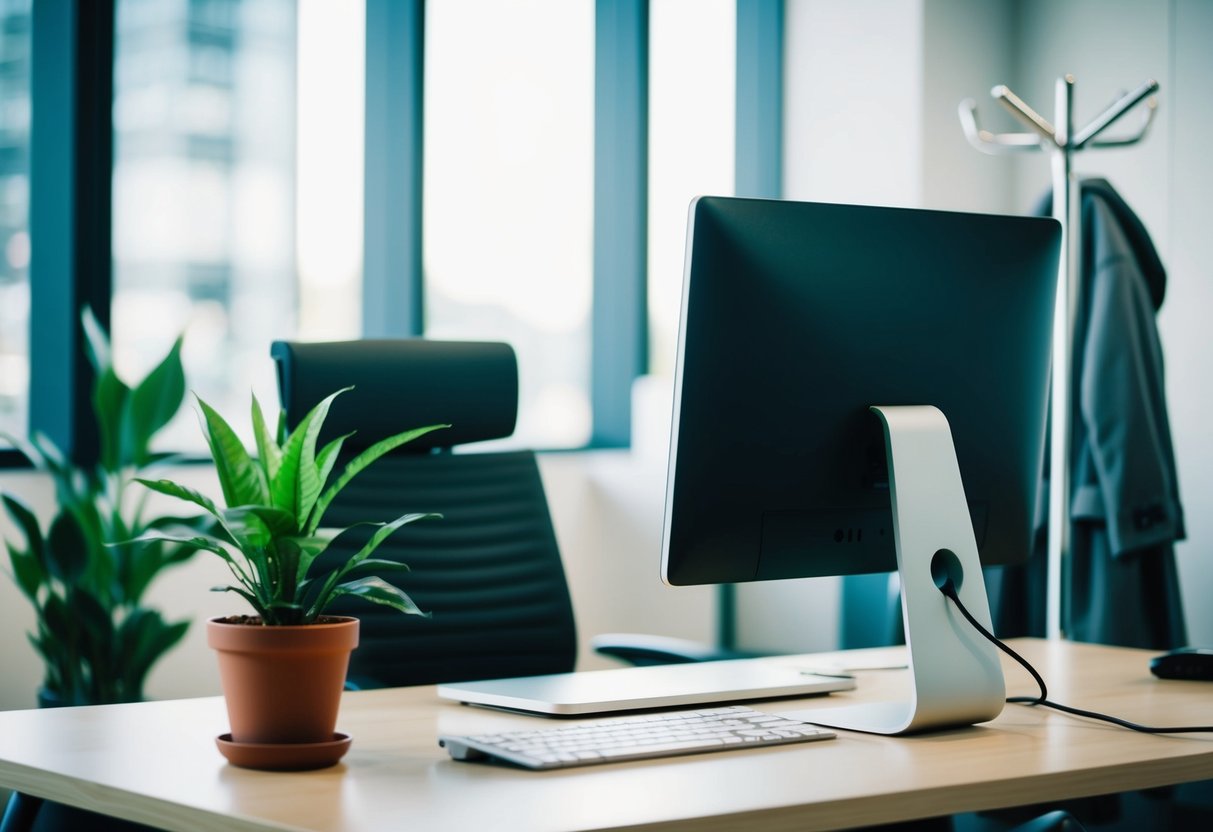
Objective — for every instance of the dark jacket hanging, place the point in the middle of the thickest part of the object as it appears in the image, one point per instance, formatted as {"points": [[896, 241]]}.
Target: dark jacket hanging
{"points": [[1124, 500]]}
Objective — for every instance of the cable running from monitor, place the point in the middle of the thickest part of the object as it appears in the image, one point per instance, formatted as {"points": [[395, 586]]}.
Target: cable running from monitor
{"points": [[949, 589]]}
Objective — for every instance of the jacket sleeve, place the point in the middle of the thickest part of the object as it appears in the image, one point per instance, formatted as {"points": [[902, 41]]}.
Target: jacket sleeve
{"points": [[1122, 399]]}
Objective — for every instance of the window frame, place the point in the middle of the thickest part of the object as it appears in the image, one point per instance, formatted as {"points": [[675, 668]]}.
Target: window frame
{"points": [[70, 212]]}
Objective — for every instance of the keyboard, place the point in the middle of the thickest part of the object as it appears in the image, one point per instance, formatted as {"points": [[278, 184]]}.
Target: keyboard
{"points": [[634, 738]]}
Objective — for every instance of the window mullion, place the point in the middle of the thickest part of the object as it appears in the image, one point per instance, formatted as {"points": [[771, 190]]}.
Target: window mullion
{"points": [[71, 173], [619, 338], [759, 149], [392, 300]]}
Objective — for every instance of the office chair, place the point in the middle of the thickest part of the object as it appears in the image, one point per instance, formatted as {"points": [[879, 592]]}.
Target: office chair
{"points": [[25, 813], [489, 572]]}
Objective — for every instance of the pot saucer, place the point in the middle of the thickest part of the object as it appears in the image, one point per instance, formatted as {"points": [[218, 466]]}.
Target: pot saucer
{"points": [[299, 756]]}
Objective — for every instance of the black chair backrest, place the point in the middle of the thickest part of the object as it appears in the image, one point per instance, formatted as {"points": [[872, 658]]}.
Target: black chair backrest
{"points": [[489, 572]]}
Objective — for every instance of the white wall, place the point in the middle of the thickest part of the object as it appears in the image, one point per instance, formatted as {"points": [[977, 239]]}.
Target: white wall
{"points": [[1185, 316], [852, 101], [968, 48]]}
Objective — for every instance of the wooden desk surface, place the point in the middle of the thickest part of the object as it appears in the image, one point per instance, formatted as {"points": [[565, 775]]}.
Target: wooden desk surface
{"points": [[157, 762]]}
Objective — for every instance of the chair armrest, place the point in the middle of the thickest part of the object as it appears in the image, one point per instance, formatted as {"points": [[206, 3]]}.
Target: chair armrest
{"points": [[21, 813], [642, 649], [362, 683]]}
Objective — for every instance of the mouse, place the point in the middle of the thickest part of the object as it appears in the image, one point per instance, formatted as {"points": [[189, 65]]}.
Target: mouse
{"points": [[1194, 663]]}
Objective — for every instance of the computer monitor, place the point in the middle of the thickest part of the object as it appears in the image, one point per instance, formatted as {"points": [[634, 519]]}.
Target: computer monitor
{"points": [[797, 320]]}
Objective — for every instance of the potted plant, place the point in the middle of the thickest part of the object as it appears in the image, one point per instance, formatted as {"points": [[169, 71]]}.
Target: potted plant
{"points": [[96, 638], [282, 669]]}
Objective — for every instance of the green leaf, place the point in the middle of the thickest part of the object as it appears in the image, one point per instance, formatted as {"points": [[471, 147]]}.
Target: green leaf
{"points": [[194, 522], [96, 341], [60, 625], [238, 474], [252, 599], [154, 402], [27, 571], [319, 599], [360, 462], [267, 449], [144, 637], [67, 551], [208, 544], [322, 597], [286, 612], [249, 531], [327, 457], [297, 485], [49, 456], [310, 548], [379, 565], [173, 553], [44, 650], [276, 521], [181, 492], [111, 408], [142, 563], [28, 524], [286, 564], [380, 591], [93, 615], [380, 535]]}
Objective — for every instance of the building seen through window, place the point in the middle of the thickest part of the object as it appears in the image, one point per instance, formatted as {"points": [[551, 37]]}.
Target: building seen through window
{"points": [[15, 36], [232, 119]]}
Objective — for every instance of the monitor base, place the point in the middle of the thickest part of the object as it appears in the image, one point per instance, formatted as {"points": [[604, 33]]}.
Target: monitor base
{"points": [[956, 676]]}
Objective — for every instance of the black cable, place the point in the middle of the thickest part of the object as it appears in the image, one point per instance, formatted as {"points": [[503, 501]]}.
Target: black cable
{"points": [[949, 589]]}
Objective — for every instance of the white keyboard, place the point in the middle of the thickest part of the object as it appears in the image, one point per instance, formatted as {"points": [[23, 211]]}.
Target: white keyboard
{"points": [[635, 738]]}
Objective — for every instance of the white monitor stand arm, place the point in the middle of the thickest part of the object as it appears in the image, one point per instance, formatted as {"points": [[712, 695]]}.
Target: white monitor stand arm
{"points": [[956, 677]]}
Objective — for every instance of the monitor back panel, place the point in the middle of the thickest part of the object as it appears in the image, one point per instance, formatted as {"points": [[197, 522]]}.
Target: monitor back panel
{"points": [[799, 316]]}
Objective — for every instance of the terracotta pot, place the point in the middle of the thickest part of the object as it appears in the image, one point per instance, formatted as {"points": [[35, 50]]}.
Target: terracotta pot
{"points": [[283, 684]]}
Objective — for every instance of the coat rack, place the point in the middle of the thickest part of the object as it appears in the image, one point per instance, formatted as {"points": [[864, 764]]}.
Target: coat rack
{"points": [[1062, 140]]}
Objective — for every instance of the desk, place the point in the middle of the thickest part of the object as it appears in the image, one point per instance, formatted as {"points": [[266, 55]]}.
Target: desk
{"points": [[157, 763]]}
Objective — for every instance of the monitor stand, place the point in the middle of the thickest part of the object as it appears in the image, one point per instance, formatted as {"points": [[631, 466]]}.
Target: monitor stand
{"points": [[955, 675]]}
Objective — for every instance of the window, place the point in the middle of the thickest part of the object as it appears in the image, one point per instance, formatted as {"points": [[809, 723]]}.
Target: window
{"points": [[14, 215], [237, 188], [692, 68], [508, 196]]}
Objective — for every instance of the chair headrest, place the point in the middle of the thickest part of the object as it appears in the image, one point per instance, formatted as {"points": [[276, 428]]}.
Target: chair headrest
{"points": [[400, 384]]}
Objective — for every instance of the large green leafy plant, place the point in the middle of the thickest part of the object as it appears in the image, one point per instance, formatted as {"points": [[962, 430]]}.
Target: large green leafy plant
{"points": [[270, 533], [96, 637]]}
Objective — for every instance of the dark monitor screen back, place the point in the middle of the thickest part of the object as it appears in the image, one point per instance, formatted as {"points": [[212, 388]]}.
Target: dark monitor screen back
{"points": [[797, 317]]}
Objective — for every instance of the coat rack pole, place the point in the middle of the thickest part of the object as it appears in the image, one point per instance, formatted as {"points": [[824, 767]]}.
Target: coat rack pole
{"points": [[1066, 211]]}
